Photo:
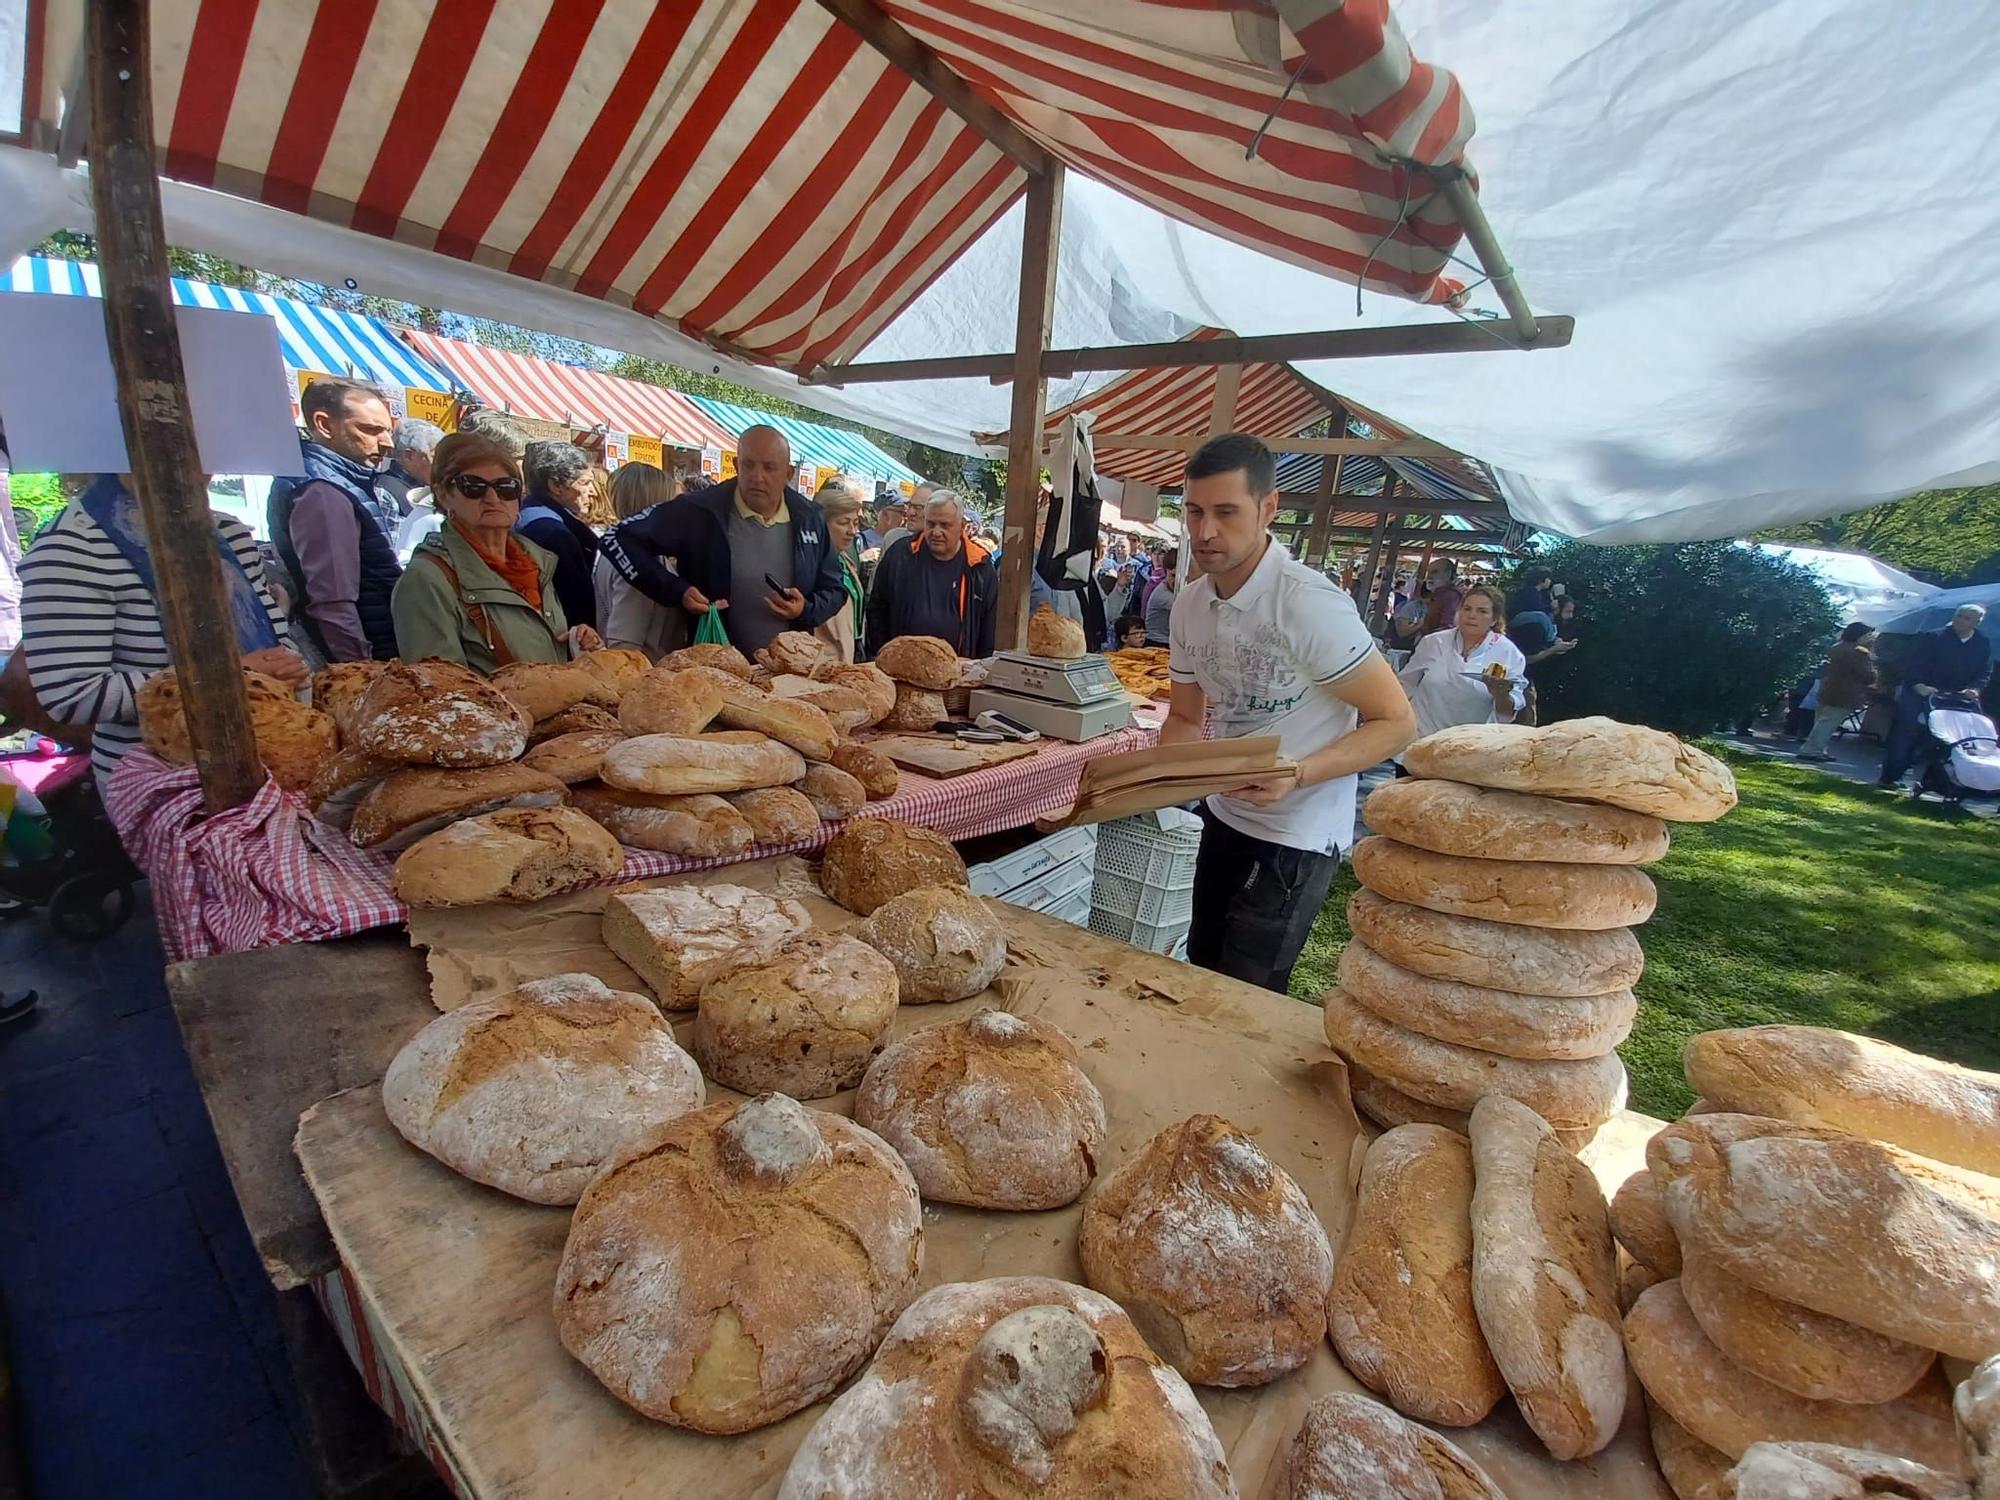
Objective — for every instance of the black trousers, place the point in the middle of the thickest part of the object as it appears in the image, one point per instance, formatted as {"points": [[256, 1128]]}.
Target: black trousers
{"points": [[1254, 904]]}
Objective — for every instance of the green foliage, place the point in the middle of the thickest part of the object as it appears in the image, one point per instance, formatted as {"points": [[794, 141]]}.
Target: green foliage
{"points": [[1947, 537], [39, 494], [1815, 901], [1689, 637]]}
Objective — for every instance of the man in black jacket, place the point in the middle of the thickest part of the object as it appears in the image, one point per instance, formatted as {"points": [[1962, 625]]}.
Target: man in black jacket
{"points": [[725, 540], [1956, 659], [939, 582]]}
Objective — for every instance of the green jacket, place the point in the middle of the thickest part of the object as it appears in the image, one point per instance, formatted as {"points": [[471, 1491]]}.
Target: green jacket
{"points": [[432, 618]]}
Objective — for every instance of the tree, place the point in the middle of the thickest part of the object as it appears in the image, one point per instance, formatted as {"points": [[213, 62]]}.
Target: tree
{"points": [[1947, 537]]}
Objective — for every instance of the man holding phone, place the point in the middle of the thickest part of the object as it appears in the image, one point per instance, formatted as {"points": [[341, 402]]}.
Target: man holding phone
{"points": [[752, 546]]}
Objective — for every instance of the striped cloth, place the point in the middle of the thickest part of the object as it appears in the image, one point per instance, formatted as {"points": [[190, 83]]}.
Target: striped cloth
{"points": [[92, 628]]}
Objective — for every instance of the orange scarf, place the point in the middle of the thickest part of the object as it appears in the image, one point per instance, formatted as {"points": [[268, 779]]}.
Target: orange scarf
{"points": [[518, 569]]}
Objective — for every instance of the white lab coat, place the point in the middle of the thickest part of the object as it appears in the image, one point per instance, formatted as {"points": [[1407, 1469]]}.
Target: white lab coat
{"points": [[1440, 692]]}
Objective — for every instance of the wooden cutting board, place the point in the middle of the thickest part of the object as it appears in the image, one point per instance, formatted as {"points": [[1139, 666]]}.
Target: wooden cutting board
{"points": [[942, 756]]}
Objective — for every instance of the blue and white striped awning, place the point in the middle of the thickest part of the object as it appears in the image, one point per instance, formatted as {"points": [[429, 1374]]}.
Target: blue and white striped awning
{"points": [[1299, 474], [309, 338], [822, 447]]}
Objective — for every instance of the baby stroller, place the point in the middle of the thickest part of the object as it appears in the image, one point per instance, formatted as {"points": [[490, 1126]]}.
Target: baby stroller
{"points": [[80, 872], [1959, 755]]}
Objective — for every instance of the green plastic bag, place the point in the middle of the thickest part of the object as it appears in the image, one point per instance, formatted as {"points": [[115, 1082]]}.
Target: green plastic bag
{"points": [[710, 632]]}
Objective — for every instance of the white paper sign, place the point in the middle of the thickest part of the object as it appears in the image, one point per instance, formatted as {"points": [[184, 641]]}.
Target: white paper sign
{"points": [[59, 399]]}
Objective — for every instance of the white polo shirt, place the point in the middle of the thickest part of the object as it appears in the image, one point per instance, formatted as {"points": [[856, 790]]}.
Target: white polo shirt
{"points": [[1262, 658]]}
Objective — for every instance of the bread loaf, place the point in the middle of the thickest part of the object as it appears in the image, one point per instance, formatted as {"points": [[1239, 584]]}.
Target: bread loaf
{"points": [[1728, 1408], [944, 943], [877, 773], [716, 654], [790, 721], [1854, 1083], [1976, 1404], [543, 689], [584, 718], [699, 825], [921, 661], [1388, 1106], [872, 860], [844, 708], [437, 713], [738, 1264], [1499, 955], [337, 691], [617, 667], [1571, 1094], [1534, 1026], [679, 937], [1595, 760], [799, 652], [295, 743], [674, 765], [1796, 1349], [1055, 636], [1214, 1252], [1401, 1311], [342, 783], [1544, 1279], [571, 758], [992, 1112], [1351, 1448], [875, 686], [533, 1090], [833, 793], [683, 703], [807, 1020], [1448, 817], [1014, 1386], [518, 854], [1821, 1471], [917, 711], [777, 815], [1523, 892], [407, 804], [1845, 1226], [1693, 1470], [1639, 1223]]}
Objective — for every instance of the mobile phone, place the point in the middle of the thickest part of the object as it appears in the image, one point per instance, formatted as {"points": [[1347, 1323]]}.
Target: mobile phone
{"points": [[1556, 591], [776, 587]]}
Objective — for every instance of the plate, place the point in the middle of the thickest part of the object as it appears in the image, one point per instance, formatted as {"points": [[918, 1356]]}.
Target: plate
{"points": [[1482, 677]]}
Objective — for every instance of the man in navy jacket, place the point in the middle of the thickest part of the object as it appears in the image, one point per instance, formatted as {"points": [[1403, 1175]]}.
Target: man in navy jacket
{"points": [[717, 545]]}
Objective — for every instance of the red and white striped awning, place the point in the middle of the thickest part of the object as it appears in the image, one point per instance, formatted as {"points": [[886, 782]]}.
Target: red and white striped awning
{"points": [[755, 173], [565, 393]]}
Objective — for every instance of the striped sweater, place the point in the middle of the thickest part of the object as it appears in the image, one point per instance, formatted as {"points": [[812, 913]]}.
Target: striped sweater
{"points": [[92, 630]]}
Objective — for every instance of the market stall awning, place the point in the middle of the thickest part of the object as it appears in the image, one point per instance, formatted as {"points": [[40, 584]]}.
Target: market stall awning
{"points": [[570, 394], [757, 173], [822, 447], [323, 339]]}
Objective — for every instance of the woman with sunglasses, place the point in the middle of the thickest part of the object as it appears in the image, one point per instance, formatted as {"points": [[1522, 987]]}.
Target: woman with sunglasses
{"points": [[476, 591]]}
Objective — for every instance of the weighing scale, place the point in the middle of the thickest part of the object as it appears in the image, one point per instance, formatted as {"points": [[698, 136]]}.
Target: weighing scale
{"points": [[1066, 700]]}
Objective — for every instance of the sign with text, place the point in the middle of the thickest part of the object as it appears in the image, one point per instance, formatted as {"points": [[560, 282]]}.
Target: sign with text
{"points": [[640, 449]]}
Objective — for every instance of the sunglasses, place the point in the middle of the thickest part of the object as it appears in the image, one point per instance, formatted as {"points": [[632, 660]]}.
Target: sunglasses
{"points": [[472, 487]]}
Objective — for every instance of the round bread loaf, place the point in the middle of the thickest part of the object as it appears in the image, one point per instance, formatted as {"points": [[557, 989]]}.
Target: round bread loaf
{"points": [[739, 1263], [777, 815], [672, 765], [1449, 817], [921, 661], [1976, 1404], [1823, 1471], [834, 794], [679, 937], [533, 1090], [342, 783], [1545, 1279], [1352, 1448], [543, 689], [405, 805], [790, 721], [295, 743], [700, 825], [518, 854], [1523, 960], [799, 652], [1018, 1386], [1571, 1094], [1639, 1223], [917, 711], [683, 703], [1594, 759], [1796, 1349], [337, 691], [718, 654], [617, 667], [584, 718], [943, 941], [844, 708], [805, 1021], [1400, 1311], [1056, 636], [992, 1112], [572, 758], [877, 773], [1693, 1470], [1528, 893], [1388, 1106], [1534, 1026], [876, 687], [1215, 1253], [438, 713], [1725, 1406], [872, 860]]}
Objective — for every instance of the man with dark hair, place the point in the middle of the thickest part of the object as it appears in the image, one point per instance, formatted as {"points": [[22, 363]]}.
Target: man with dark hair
{"points": [[1263, 645], [555, 477], [328, 527]]}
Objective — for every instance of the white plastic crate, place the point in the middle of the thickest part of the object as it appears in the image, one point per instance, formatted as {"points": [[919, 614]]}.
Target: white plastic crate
{"points": [[1154, 848], [1074, 908], [1169, 938], [998, 877], [1053, 887], [1157, 905]]}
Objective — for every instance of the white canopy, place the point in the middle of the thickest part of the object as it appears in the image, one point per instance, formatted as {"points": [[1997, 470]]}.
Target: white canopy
{"points": [[1861, 587]]}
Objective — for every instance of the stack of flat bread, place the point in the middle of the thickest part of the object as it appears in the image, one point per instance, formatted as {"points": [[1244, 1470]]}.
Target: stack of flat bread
{"points": [[1493, 949]]}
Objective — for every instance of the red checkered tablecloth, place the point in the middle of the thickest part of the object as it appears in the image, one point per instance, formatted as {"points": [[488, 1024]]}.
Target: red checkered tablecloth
{"points": [[268, 873]]}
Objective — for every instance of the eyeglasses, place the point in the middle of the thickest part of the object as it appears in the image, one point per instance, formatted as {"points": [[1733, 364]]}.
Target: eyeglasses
{"points": [[472, 487]]}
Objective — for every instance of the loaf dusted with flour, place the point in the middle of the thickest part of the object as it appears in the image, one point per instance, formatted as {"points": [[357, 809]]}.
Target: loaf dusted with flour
{"points": [[1639, 1223], [583, 718], [875, 686], [922, 661], [1693, 1470], [700, 826], [1400, 1311], [1498, 955], [777, 814], [543, 689], [718, 654], [617, 667], [1976, 1405], [1544, 1279], [1529, 893], [1593, 760], [1533, 1026], [873, 860], [675, 765], [833, 793], [532, 1091], [877, 773], [917, 711], [1352, 1448], [799, 652], [519, 854], [1822, 1471], [1449, 817], [1214, 1251], [992, 1112], [790, 721], [572, 758], [739, 1263], [438, 713], [807, 1020], [407, 804], [943, 941], [684, 702], [679, 937]]}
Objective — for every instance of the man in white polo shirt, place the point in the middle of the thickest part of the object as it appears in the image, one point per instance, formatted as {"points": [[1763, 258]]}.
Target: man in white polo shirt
{"points": [[1264, 645]]}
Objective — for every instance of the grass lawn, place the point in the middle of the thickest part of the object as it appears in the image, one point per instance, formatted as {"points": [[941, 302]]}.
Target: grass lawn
{"points": [[1816, 900]]}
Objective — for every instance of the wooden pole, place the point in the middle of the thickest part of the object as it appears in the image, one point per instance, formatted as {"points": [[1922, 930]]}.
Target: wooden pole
{"points": [[153, 405], [1039, 238], [1222, 410], [1329, 482], [1384, 587], [1365, 577]]}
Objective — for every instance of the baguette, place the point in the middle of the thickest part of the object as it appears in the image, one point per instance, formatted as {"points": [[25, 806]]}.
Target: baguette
{"points": [[676, 765], [1528, 893], [699, 825], [1531, 1026]]}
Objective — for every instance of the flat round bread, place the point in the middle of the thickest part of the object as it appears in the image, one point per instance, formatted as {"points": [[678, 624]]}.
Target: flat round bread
{"points": [[1450, 817], [1499, 955], [1491, 1020], [1596, 760], [1528, 893]]}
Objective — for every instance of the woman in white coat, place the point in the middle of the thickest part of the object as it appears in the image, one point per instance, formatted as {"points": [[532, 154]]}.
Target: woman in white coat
{"points": [[1470, 673]]}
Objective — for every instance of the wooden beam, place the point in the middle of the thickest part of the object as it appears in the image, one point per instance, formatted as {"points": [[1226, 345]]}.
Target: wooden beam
{"points": [[936, 78], [1041, 233], [1277, 348], [1367, 573], [1409, 505], [1322, 516], [1187, 442], [1222, 410], [153, 405]]}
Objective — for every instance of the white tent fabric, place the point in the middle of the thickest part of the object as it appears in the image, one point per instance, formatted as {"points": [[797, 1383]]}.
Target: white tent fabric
{"points": [[1861, 587], [1935, 612]]}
